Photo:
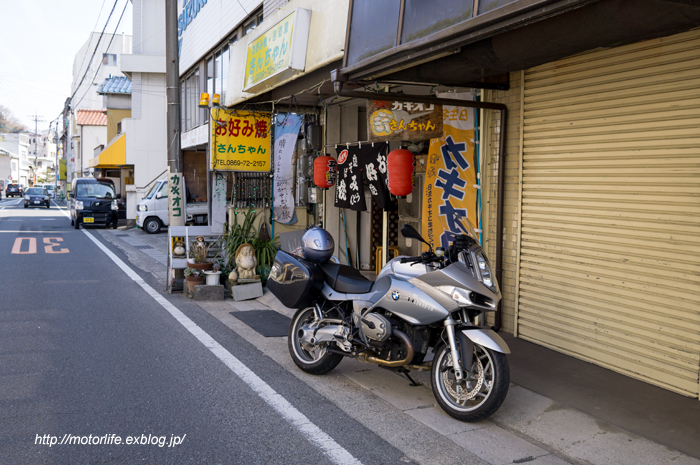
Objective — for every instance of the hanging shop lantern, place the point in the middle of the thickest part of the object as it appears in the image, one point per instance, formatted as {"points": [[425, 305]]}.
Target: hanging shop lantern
{"points": [[400, 165], [325, 169]]}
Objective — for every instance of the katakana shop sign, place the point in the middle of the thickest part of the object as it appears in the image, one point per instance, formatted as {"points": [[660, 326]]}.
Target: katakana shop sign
{"points": [[176, 200], [279, 51], [240, 141], [403, 120], [450, 194]]}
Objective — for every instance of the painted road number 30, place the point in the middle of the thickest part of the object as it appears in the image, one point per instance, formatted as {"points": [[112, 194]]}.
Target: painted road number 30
{"points": [[52, 243]]}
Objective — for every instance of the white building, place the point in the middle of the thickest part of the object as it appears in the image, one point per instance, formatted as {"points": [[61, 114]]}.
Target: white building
{"points": [[139, 149], [5, 169], [90, 70], [18, 146]]}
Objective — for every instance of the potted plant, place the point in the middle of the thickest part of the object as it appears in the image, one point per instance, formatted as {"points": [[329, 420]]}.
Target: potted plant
{"points": [[199, 250], [212, 276], [194, 278], [264, 246]]}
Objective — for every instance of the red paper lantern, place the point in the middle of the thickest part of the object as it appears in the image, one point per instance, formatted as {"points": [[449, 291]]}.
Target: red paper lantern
{"points": [[400, 165], [325, 169]]}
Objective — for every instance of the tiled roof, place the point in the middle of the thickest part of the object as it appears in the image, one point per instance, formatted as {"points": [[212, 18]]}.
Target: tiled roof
{"points": [[115, 85], [91, 117]]}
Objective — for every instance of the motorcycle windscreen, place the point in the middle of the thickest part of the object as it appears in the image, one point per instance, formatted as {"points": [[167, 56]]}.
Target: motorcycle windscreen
{"points": [[294, 281]]}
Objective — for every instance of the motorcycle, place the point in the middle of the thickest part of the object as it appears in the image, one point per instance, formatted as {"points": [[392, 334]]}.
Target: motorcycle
{"points": [[431, 301]]}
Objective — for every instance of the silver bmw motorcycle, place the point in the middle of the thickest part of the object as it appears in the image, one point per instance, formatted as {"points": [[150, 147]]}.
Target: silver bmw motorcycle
{"points": [[418, 308]]}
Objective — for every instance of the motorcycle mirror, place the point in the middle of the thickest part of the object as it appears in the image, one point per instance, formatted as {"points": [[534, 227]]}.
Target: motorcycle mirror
{"points": [[409, 231]]}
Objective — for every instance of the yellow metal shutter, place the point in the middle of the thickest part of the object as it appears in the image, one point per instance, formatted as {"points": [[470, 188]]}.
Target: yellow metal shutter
{"points": [[610, 242]]}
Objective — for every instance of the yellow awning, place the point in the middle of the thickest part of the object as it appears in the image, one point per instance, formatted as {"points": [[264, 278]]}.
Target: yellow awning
{"points": [[113, 156]]}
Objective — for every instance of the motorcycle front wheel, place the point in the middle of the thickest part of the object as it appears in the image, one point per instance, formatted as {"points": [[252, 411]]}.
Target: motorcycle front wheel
{"points": [[311, 358], [480, 394]]}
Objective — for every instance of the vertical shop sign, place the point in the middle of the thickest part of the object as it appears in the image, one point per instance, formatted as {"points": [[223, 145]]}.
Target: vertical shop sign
{"points": [[62, 169], [286, 131], [218, 203], [403, 120], [450, 195], [176, 200], [240, 141]]}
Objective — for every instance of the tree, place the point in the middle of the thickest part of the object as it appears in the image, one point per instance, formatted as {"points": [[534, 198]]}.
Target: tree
{"points": [[8, 122]]}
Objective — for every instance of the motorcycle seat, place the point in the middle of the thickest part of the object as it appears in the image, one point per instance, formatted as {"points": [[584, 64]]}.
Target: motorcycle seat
{"points": [[346, 279]]}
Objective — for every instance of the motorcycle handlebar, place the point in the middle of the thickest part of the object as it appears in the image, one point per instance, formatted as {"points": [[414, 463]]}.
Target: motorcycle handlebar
{"points": [[425, 257]]}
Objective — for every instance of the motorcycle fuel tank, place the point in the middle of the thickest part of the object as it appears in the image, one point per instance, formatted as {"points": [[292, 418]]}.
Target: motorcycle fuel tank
{"points": [[414, 301]]}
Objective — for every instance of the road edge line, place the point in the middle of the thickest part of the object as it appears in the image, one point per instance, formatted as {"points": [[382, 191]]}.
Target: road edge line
{"points": [[338, 454]]}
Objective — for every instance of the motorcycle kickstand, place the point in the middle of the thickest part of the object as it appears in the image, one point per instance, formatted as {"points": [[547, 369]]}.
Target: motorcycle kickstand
{"points": [[406, 372]]}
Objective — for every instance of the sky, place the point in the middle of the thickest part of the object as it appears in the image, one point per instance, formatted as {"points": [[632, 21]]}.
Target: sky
{"points": [[39, 40]]}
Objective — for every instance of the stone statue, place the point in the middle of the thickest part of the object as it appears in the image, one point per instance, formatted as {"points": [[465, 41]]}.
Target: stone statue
{"points": [[246, 262]]}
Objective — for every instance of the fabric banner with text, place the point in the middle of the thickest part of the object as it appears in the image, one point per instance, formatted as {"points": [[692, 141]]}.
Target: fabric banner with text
{"points": [[356, 163], [450, 193], [286, 130]]}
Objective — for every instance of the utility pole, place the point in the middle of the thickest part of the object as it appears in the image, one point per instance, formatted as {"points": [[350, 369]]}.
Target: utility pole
{"points": [[176, 197], [36, 119]]}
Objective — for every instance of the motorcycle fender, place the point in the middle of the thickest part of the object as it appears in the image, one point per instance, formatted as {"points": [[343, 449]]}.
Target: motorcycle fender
{"points": [[487, 338]]}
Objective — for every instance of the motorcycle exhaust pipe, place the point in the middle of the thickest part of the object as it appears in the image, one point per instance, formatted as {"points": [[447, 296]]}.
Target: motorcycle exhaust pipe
{"points": [[367, 358]]}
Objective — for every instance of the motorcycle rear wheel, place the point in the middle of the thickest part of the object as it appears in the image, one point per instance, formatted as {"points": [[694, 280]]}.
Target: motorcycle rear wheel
{"points": [[477, 397], [313, 359]]}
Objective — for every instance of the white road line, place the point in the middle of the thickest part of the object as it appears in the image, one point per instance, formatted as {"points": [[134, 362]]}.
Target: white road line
{"points": [[335, 452]]}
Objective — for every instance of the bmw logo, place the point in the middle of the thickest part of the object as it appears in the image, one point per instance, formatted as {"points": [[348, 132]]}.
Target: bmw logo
{"points": [[395, 295]]}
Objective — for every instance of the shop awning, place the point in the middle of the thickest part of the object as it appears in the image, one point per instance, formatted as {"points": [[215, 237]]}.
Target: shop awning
{"points": [[113, 156]]}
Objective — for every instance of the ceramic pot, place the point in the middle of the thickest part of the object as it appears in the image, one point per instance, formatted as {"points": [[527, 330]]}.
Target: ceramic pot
{"points": [[212, 277], [192, 282], [200, 266]]}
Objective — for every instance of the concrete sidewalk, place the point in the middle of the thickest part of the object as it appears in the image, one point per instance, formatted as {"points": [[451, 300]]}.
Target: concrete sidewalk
{"points": [[558, 410]]}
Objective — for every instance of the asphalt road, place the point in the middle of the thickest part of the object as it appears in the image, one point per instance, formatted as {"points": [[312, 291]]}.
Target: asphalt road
{"points": [[89, 358]]}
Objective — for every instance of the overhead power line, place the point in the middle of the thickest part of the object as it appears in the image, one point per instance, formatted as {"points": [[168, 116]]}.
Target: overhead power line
{"points": [[93, 28], [96, 47], [107, 49]]}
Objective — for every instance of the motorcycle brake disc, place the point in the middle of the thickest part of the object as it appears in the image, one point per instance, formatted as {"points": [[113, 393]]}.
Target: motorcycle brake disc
{"points": [[460, 391]]}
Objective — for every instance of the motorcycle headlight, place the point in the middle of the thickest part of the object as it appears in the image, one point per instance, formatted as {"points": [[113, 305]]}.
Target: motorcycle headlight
{"points": [[142, 208], [78, 204], [458, 295], [115, 205], [485, 271]]}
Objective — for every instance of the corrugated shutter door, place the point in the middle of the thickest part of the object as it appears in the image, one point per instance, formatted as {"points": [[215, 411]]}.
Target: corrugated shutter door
{"points": [[610, 245]]}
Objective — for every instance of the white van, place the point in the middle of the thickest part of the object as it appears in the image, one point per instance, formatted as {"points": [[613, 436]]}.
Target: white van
{"points": [[152, 210]]}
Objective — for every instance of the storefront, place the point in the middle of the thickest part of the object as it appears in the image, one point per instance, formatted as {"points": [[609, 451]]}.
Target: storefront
{"points": [[599, 199]]}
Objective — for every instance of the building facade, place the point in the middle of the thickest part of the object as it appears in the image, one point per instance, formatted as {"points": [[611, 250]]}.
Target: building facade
{"points": [[590, 186], [89, 71]]}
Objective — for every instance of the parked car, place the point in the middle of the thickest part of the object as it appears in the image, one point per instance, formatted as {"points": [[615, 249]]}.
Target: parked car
{"points": [[51, 188], [93, 202], [37, 197], [14, 190], [152, 210]]}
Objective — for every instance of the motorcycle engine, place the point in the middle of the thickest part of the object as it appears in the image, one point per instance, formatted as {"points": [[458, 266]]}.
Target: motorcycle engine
{"points": [[376, 327]]}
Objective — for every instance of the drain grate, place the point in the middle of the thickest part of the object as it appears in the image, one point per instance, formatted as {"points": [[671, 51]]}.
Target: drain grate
{"points": [[143, 247], [121, 235]]}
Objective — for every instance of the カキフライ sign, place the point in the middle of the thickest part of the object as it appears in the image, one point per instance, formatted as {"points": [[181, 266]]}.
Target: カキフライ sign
{"points": [[450, 193]]}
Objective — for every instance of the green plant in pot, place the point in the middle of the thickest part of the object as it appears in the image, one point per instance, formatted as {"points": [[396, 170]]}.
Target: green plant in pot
{"points": [[244, 232], [199, 250], [193, 277]]}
